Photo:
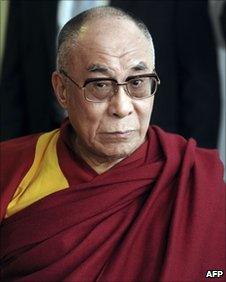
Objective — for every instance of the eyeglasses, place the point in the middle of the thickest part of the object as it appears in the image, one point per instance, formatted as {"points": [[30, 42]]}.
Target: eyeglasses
{"points": [[99, 90]]}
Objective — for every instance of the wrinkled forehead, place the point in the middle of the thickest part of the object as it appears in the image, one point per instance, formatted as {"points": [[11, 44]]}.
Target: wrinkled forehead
{"points": [[111, 40]]}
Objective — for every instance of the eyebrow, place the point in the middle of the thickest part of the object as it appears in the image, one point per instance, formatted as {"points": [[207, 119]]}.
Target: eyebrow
{"points": [[140, 66], [105, 70], [98, 68]]}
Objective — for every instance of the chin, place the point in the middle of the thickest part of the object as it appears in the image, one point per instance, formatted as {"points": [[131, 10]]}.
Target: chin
{"points": [[118, 153], [118, 156]]}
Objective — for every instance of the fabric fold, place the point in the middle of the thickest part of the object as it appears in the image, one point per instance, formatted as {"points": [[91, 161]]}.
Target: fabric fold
{"points": [[147, 219]]}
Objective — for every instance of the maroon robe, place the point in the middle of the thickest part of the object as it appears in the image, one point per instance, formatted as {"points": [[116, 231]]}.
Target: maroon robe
{"points": [[159, 215]]}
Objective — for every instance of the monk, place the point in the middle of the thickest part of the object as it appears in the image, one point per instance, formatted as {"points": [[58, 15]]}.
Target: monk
{"points": [[107, 197]]}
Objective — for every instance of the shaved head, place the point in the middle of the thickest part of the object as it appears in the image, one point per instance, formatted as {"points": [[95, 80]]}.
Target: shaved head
{"points": [[77, 26]]}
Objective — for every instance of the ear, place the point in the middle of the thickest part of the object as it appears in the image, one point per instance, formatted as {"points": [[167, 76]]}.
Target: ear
{"points": [[59, 89]]}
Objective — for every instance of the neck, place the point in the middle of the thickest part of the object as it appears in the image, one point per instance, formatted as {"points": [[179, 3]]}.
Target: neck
{"points": [[99, 164]]}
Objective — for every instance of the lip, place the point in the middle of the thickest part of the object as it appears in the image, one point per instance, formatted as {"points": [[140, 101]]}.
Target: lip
{"points": [[119, 134]]}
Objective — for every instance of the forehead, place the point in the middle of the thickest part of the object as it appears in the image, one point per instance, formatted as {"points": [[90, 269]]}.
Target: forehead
{"points": [[115, 43]]}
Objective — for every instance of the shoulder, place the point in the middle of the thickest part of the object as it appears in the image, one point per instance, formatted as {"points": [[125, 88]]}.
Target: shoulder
{"points": [[199, 172], [168, 139], [23, 141], [15, 149], [208, 168], [16, 156], [15, 153], [205, 161]]}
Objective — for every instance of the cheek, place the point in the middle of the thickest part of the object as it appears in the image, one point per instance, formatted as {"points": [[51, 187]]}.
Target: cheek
{"points": [[85, 117], [144, 110]]}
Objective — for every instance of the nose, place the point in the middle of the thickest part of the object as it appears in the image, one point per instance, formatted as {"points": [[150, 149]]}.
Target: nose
{"points": [[121, 105]]}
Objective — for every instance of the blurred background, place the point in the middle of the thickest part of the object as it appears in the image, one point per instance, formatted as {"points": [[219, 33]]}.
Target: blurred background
{"points": [[189, 39]]}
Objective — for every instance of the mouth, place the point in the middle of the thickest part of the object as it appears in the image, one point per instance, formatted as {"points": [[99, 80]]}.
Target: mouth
{"points": [[119, 134]]}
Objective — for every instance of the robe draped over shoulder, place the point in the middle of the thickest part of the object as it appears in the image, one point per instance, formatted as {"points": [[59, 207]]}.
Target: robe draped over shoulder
{"points": [[158, 215]]}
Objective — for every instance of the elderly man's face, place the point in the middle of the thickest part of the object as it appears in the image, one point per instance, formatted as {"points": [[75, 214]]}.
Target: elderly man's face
{"points": [[109, 48]]}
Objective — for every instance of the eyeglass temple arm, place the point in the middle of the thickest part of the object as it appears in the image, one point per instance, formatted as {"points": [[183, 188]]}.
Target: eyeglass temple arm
{"points": [[65, 74], [158, 79]]}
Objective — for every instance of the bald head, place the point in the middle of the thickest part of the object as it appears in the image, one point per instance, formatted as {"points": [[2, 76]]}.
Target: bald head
{"points": [[74, 30]]}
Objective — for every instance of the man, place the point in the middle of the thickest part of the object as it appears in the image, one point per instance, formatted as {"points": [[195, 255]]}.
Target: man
{"points": [[186, 61], [106, 198]]}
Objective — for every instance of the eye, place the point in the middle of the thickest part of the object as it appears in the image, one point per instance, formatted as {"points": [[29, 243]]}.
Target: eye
{"points": [[137, 82], [101, 84]]}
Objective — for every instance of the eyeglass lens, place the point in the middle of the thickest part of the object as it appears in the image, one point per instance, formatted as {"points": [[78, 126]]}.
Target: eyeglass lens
{"points": [[138, 88]]}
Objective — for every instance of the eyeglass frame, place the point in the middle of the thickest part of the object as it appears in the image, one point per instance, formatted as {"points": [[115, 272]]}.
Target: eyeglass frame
{"points": [[153, 74]]}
